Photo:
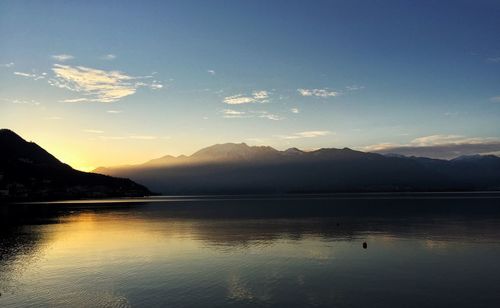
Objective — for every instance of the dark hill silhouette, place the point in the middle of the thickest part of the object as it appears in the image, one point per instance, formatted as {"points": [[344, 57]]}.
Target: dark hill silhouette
{"points": [[239, 168], [28, 172]]}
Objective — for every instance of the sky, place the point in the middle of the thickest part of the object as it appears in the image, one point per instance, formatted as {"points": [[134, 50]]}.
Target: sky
{"points": [[100, 83]]}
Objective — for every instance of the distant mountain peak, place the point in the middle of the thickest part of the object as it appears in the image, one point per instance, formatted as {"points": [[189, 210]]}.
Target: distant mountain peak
{"points": [[232, 151], [293, 151]]}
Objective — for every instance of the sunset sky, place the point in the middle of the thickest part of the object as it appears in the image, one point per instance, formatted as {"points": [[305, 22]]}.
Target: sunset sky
{"points": [[100, 83]]}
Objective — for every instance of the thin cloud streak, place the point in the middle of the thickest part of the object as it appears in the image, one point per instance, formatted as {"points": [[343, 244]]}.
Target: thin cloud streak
{"points": [[135, 137], [62, 57], [30, 75], [306, 134], [439, 146], [108, 57], [93, 131], [235, 114]]}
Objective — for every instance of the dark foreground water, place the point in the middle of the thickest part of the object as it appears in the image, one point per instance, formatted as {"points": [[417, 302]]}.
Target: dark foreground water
{"points": [[423, 250]]}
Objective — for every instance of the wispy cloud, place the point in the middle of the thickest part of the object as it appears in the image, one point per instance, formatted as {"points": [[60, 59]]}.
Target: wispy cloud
{"points": [[495, 99], [235, 114], [494, 59], [31, 75], [325, 92], [114, 111], [354, 88], [98, 85], [136, 137], [143, 137], [440, 146], [267, 115], [11, 64], [307, 134], [62, 57], [74, 100], [23, 101], [93, 131], [440, 139], [108, 57], [211, 72], [318, 92], [260, 96], [231, 114], [295, 110], [53, 118]]}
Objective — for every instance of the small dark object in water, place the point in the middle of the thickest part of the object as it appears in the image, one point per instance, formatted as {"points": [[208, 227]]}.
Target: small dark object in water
{"points": [[338, 224], [365, 245]]}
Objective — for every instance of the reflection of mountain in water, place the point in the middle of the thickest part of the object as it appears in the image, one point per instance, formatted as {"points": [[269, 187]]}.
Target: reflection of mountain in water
{"points": [[245, 221]]}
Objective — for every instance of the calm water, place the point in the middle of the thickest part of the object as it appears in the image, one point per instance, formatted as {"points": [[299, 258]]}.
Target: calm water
{"points": [[423, 250]]}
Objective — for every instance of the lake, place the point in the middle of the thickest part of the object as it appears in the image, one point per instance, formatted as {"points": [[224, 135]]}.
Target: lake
{"points": [[423, 250]]}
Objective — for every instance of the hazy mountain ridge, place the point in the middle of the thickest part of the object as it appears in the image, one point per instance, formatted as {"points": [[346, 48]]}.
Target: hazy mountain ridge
{"points": [[28, 172], [239, 168]]}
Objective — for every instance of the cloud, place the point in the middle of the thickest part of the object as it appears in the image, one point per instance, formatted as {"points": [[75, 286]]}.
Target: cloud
{"points": [[494, 59], [93, 131], [439, 146], [23, 102], [307, 134], [295, 110], [108, 57], [438, 139], [112, 137], [260, 96], [495, 99], [318, 92], [136, 137], [231, 114], [354, 88], [53, 118], [24, 74], [143, 137], [266, 115], [74, 100], [235, 114], [62, 57], [238, 99], [155, 85], [11, 64], [114, 111], [29, 75], [211, 72], [271, 117], [98, 85]]}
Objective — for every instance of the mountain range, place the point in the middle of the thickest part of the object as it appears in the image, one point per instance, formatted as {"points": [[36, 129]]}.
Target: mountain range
{"points": [[238, 168], [28, 172]]}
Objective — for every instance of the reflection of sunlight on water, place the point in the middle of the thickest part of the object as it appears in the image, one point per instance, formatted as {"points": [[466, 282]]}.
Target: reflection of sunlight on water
{"points": [[146, 256], [237, 289]]}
